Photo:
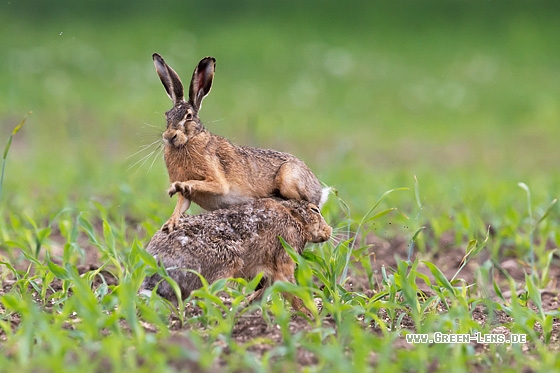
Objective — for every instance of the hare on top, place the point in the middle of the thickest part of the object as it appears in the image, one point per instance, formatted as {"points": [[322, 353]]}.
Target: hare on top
{"points": [[210, 170]]}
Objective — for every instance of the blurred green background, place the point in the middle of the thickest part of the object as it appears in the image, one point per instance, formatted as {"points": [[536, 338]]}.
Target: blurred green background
{"points": [[462, 94]]}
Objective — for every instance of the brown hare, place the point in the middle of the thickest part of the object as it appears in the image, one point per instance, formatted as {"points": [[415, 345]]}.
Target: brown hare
{"points": [[240, 241], [210, 170]]}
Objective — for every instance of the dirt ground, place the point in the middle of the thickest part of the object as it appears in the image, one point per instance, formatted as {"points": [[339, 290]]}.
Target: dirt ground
{"points": [[252, 325]]}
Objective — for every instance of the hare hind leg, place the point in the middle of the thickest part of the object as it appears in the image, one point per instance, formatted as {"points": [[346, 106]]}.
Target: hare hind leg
{"points": [[257, 294], [286, 273], [295, 181]]}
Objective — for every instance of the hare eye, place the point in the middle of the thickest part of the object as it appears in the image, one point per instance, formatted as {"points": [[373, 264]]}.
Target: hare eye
{"points": [[315, 210], [189, 116]]}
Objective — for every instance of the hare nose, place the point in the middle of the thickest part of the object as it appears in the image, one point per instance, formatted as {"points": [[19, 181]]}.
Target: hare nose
{"points": [[169, 138]]}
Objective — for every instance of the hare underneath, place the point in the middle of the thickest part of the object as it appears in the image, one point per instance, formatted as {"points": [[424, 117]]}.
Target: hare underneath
{"points": [[210, 170], [240, 241]]}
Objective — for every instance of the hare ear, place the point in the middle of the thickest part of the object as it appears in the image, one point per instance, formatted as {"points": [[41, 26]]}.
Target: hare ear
{"points": [[169, 79], [201, 81]]}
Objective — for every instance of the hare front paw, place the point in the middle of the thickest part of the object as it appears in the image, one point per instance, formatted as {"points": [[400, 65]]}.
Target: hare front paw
{"points": [[179, 187]]}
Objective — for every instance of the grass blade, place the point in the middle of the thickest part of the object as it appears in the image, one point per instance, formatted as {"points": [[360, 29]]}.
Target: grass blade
{"points": [[7, 149], [439, 276], [547, 211]]}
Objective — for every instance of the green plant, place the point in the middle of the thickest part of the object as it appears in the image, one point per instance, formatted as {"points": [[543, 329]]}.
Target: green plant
{"points": [[7, 149]]}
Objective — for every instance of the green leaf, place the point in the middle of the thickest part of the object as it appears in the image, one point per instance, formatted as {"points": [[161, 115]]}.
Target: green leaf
{"points": [[58, 271], [381, 213], [11, 268], [472, 250], [252, 285], [439, 276], [546, 271], [109, 237], [418, 231], [7, 149], [534, 294], [528, 192], [148, 258], [425, 278], [547, 211], [417, 192], [304, 273], [383, 196], [314, 258], [524, 187], [14, 132], [547, 325], [88, 228], [11, 302]]}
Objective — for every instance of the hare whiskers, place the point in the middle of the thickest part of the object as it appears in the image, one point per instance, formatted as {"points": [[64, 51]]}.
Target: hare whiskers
{"points": [[156, 157], [158, 149], [156, 142]]}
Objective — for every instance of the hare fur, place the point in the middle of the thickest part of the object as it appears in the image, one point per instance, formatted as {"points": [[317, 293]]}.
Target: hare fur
{"points": [[209, 169], [240, 241]]}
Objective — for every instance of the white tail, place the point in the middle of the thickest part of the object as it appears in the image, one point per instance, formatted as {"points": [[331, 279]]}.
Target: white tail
{"points": [[324, 195]]}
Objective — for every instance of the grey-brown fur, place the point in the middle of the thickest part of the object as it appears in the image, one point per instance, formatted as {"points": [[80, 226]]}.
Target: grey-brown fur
{"points": [[209, 169], [240, 241]]}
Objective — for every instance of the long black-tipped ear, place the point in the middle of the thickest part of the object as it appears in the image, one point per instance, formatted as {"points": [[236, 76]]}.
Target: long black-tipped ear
{"points": [[201, 81], [169, 79]]}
